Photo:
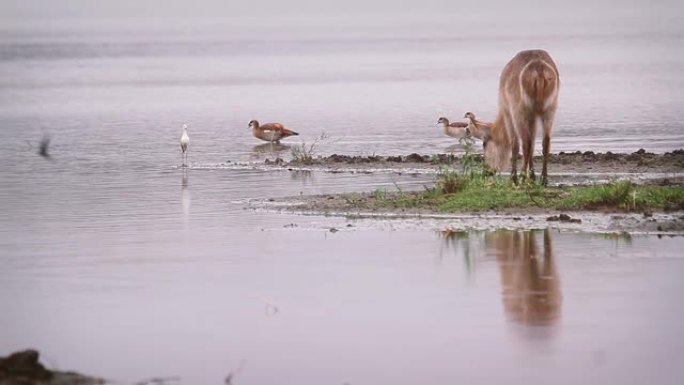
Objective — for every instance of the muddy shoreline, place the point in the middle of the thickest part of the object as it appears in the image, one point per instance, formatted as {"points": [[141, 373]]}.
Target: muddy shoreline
{"points": [[639, 161], [662, 169], [605, 221]]}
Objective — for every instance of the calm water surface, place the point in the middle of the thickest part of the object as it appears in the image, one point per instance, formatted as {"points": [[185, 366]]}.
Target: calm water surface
{"points": [[115, 261]]}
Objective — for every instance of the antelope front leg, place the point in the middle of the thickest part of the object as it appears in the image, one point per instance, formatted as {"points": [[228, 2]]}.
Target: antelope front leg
{"points": [[527, 134], [530, 162], [546, 147], [515, 149], [547, 122]]}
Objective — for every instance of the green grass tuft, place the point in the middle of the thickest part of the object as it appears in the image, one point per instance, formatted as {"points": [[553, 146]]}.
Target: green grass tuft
{"points": [[624, 195], [304, 154], [475, 188], [491, 195]]}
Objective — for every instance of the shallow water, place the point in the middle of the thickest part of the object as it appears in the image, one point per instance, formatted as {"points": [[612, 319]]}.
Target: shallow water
{"points": [[296, 303], [120, 90], [117, 262], [134, 275]]}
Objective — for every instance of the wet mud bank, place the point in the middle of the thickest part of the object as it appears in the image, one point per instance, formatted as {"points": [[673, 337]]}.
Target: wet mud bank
{"points": [[361, 206], [569, 168], [639, 161]]}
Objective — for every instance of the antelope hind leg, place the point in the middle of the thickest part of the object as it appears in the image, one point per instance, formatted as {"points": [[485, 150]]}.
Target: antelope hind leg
{"points": [[515, 145], [527, 135], [547, 123]]}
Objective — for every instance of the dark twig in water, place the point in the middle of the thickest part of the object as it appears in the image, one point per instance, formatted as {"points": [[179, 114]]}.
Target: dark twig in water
{"points": [[44, 144], [234, 373]]}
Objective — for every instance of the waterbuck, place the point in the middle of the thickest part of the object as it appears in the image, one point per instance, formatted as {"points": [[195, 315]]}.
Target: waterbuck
{"points": [[528, 94]]}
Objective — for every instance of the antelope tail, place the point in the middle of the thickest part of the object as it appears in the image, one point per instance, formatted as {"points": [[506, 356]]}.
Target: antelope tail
{"points": [[538, 82]]}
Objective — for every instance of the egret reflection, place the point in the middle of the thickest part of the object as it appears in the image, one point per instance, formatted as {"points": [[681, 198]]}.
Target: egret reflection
{"points": [[184, 178], [185, 197]]}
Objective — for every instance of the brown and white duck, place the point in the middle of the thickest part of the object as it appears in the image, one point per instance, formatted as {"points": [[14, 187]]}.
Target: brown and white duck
{"points": [[455, 130], [270, 132], [478, 128]]}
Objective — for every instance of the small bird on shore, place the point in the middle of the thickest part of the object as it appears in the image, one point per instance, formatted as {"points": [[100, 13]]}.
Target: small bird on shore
{"points": [[184, 143], [270, 132], [456, 129], [478, 129]]}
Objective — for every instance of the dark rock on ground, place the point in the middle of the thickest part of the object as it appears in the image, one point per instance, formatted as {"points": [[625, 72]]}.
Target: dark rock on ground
{"points": [[24, 368], [563, 218], [414, 158]]}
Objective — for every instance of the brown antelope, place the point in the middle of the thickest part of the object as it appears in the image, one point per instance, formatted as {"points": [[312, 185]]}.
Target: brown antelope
{"points": [[270, 132], [528, 92]]}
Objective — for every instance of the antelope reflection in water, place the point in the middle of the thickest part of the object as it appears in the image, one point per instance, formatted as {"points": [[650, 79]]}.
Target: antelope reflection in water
{"points": [[529, 279]]}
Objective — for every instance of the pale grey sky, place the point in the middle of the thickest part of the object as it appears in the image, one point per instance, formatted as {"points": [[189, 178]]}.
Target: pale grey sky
{"points": [[22, 9]]}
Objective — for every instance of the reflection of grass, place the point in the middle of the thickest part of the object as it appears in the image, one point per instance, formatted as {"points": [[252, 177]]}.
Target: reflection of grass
{"points": [[456, 240]]}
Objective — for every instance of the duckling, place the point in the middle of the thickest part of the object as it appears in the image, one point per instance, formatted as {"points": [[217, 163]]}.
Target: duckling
{"points": [[456, 130], [478, 128]]}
